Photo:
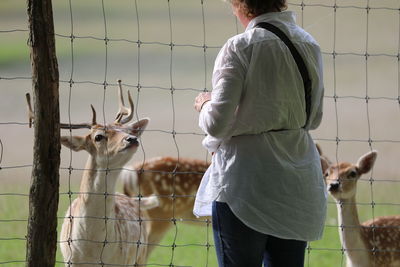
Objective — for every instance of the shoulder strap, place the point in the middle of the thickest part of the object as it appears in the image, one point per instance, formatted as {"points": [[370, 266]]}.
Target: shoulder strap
{"points": [[299, 62]]}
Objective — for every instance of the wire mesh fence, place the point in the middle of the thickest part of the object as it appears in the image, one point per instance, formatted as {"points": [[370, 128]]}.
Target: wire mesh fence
{"points": [[164, 51]]}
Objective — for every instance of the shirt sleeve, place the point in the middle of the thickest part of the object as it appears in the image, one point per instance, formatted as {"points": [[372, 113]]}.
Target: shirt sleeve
{"points": [[217, 116], [319, 95]]}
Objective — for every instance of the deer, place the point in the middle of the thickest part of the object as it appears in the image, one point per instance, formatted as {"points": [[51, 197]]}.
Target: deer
{"points": [[175, 181], [102, 227], [373, 243]]}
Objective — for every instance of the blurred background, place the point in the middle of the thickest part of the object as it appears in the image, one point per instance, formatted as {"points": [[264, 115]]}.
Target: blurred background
{"points": [[163, 51]]}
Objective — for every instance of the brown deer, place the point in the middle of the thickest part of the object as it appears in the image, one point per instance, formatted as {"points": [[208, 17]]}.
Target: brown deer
{"points": [[374, 243], [175, 181], [102, 227]]}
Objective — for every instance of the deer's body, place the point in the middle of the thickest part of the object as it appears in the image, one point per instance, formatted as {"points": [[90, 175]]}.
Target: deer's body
{"points": [[88, 229], [156, 176], [374, 243]]}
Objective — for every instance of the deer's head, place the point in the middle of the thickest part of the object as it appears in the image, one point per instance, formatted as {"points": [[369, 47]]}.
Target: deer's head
{"points": [[341, 179], [111, 145]]}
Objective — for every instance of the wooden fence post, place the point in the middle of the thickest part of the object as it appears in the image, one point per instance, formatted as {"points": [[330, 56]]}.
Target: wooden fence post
{"points": [[43, 198]]}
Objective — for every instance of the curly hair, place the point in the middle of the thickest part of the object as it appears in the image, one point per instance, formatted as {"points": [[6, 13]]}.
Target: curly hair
{"points": [[253, 8]]}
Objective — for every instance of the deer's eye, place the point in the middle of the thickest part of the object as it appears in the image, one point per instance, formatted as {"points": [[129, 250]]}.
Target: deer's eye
{"points": [[352, 174], [99, 137]]}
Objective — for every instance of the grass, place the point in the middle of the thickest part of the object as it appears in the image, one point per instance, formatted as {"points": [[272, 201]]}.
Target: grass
{"points": [[13, 52], [191, 247], [190, 240]]}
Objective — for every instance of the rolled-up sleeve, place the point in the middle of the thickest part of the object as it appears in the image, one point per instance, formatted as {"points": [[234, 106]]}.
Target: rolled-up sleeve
{"points": [[217, 116]]}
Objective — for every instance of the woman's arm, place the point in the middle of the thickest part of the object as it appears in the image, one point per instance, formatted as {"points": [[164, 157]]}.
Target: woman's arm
{"points": [[201, 99]]}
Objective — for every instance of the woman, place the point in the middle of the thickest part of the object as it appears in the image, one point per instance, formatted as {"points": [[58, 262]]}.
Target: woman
{"points": [[264, 188]]}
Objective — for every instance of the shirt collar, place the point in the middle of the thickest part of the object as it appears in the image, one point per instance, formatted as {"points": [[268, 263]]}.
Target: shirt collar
{"points": [[284, 16]]}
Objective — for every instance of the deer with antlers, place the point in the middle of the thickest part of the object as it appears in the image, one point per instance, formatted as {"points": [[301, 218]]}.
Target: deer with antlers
{"points": [[374, 243], [102, 227], [175, 181]]}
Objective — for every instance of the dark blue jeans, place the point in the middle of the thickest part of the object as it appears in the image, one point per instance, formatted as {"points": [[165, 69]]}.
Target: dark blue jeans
{"points": [[237, 245]]}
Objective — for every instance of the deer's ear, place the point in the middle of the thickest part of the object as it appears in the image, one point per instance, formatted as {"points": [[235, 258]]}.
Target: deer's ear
{"points": [[366, 162], [324, 164], [137, 128], [318, 149], [75, 143]]}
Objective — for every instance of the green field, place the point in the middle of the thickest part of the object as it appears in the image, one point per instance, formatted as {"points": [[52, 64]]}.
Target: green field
{"points": [[191, 240]]}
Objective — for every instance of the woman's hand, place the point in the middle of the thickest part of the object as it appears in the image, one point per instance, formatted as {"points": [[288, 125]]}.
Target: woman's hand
{"points": [[201, 99]]}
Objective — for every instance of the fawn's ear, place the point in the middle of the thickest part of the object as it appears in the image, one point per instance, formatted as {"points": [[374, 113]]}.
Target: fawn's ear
{"points": [[366, 162], [137, 128], [324, 164], [75, 143], [318, 149]]}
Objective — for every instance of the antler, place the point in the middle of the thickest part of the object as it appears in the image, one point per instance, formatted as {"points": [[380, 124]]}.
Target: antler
{"points": [[123, 110], [81, 125], [62, 125]]}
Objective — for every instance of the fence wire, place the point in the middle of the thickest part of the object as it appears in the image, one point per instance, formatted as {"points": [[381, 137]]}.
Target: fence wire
{"points": [[362, 105]]}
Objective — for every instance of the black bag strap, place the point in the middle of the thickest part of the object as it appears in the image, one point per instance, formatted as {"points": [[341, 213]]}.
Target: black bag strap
{"points": [[299, 62]]}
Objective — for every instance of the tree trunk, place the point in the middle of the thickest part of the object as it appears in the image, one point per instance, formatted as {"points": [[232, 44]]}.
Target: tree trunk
{"points": [[43, 198]]}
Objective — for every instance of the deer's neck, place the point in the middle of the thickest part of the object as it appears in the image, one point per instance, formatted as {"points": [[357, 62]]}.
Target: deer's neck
{"points": [[98, 189], [350, 233]]}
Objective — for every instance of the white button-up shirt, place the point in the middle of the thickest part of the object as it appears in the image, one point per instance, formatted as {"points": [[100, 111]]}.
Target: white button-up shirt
{"points": [[265, 166]]}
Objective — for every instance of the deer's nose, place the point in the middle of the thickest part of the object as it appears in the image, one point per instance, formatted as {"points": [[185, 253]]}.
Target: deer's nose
{"points": [[333, 186], [132, 140]]}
